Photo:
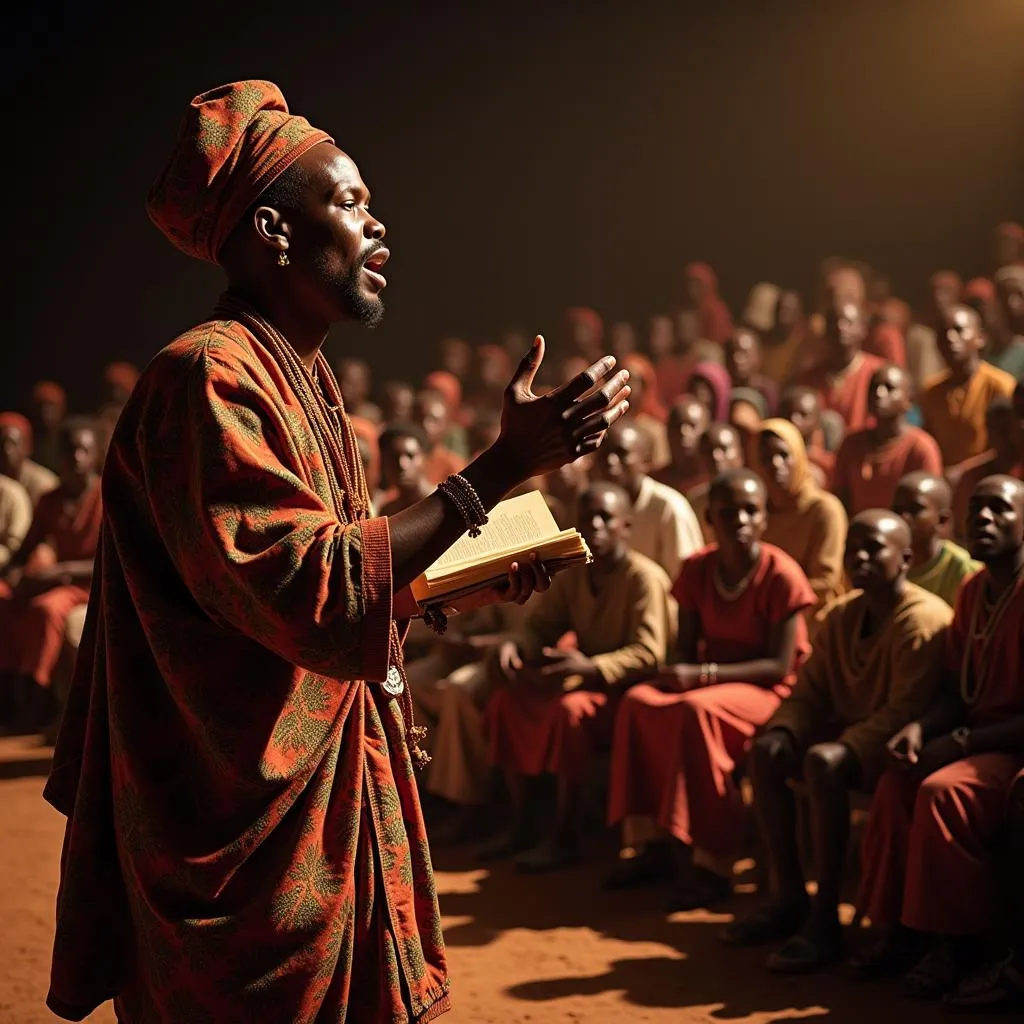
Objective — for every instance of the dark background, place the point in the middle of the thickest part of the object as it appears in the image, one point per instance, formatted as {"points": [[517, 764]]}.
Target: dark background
{"points": [[524, 156]]}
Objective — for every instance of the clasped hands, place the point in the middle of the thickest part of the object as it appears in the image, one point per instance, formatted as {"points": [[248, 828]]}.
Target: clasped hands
{"points": [[556, 669], [910, 751]]}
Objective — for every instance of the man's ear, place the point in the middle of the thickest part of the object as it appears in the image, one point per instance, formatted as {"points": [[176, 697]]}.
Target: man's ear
{"points": [[272, 228]]}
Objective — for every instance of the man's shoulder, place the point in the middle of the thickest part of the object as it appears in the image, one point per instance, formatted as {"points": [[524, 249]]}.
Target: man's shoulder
{"points": [[999, 381], [13, 493], [665, 497], [780, 563], [223, 341], [921, 611], [645, 571], [960, 557], [936, 384]]}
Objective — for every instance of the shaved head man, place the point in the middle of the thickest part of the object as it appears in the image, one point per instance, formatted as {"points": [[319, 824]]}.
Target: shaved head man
{"points": [[875, 664]]}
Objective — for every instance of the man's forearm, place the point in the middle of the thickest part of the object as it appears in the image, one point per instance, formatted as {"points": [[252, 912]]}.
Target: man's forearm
{"points": [[423, 532], [1003, 737], [942, 717]]}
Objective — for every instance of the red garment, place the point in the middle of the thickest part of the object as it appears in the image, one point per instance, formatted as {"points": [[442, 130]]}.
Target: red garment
{"points": [[69, 527], [244, 837], [885, 340], [441, 463], [868, 476], [671, 374], [32, 633], [532, 733], [717, 377], [715, 318], [825, 461], [847, 396], [674, 754], [925, 854]]}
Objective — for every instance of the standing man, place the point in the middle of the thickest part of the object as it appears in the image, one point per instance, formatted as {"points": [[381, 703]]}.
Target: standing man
{"points": [[244, 837]]}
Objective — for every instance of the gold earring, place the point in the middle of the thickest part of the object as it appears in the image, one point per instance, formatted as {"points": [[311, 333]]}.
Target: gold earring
{"points": [[282, 259]]}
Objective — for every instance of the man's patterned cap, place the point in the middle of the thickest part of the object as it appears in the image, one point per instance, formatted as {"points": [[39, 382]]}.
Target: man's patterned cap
{"points": [[234, 141]]}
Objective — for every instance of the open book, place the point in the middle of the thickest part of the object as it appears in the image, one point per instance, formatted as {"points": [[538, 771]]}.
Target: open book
{"points": [[473, 566]]}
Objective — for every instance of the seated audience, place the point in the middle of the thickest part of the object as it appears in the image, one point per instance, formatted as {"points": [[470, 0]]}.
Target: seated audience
{"points": [[953, 404], [700, 294], [556, 703], [450, 388], [398, 402], [664, 528], [924, 502], [15, 518], [15, 461], [870, 462], [49, 407], [999, 305], [48, 576], [709, 383], [678, 739], [743, 361], [926, 877], [782, 343], [670, 367], [809, 524], [802, 407], [645, 408], [356, 384], [403, 478], [874, 668], [1005, 457], [432, 418], [720, 451], [844, 372], [687, 421]]}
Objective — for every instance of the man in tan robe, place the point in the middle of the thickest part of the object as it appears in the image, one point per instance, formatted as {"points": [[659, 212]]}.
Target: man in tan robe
{"points": [[557, 703], [875, 665]]}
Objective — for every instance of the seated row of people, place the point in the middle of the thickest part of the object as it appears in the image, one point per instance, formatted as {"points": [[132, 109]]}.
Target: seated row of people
{"points": [[898, 694]]}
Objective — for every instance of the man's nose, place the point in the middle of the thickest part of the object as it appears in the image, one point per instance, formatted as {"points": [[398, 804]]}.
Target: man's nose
{"points": [[374, 228]]}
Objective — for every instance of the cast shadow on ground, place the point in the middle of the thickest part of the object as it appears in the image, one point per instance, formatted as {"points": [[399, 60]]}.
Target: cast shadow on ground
{"points": [[732, 983]]}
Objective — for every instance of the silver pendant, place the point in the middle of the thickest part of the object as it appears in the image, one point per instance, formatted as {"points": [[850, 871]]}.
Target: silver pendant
{"points": [[393, 684]]}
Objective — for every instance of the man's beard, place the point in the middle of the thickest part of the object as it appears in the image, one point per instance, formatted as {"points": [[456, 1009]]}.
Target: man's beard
{"points": [[369, 312]]}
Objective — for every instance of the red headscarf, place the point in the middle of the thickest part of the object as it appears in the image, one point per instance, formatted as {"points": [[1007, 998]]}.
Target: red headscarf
{"points": [[50, 391], [448, 386], [640, 366], [585, 315], [718, 378], [20, 423], [715, 318], [979, 289], [234, 141]]}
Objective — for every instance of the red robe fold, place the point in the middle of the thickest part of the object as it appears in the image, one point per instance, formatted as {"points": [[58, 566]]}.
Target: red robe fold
{"points": [[674, 754], [926, 848], [244, 837], [848, 395]]}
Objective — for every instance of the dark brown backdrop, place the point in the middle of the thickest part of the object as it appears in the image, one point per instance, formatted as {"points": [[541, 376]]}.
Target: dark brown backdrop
{"points": [[524, 156]]}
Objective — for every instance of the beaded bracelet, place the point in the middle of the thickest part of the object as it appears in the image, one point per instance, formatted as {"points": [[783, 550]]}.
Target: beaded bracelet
{"points": [[462, 494]]}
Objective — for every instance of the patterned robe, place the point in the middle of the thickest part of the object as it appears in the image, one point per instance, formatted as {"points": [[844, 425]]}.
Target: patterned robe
{"points": [[244, 836]]}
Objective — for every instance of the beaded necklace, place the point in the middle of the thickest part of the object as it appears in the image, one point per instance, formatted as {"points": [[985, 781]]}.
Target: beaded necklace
{"points": [[320, 397], [986, 616]]}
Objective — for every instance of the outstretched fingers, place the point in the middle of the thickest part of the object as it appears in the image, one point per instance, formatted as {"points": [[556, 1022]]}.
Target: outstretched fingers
{"points": [[598, 422], [583, 382]]}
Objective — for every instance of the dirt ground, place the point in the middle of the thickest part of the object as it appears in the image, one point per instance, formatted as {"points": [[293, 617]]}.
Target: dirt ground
{"points": [[522, 950]]}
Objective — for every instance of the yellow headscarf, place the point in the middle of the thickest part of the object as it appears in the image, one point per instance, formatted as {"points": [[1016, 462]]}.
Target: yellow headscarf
{"points": [[801, 484]]}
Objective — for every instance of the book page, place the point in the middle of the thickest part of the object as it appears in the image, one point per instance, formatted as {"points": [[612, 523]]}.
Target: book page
{"points": [[515, 524]]}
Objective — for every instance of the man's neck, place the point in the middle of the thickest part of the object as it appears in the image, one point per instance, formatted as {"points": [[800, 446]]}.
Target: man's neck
{"points": [[1005, 570], [888, 429], [881, 604], [926, 554], [306, 334], [605, 565], [76, 486], [636, 485], [738, 561], [842, 362], [961, 375]]}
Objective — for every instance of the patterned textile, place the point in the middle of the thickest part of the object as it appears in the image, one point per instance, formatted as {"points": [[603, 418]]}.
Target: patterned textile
{"points": [[244, 836], [234, 141]]}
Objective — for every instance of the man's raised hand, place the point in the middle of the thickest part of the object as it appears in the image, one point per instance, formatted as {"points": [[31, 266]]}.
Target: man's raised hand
{"points": [[541, 433]]}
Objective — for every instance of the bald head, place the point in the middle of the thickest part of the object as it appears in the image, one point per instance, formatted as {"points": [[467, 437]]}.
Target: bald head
{"points": [[878, 552], [687, 420], [605, 513], [928, 485], [802, 407], [687, 409], [961, 339], [625, 456], [720, 449], [733, 482]]}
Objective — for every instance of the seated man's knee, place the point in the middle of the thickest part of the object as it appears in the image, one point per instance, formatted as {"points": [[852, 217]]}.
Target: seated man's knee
{"points": [[831, 764], [773, 752]]}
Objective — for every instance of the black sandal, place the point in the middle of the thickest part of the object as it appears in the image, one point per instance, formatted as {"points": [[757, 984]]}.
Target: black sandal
{"points": [[805, 953]]}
